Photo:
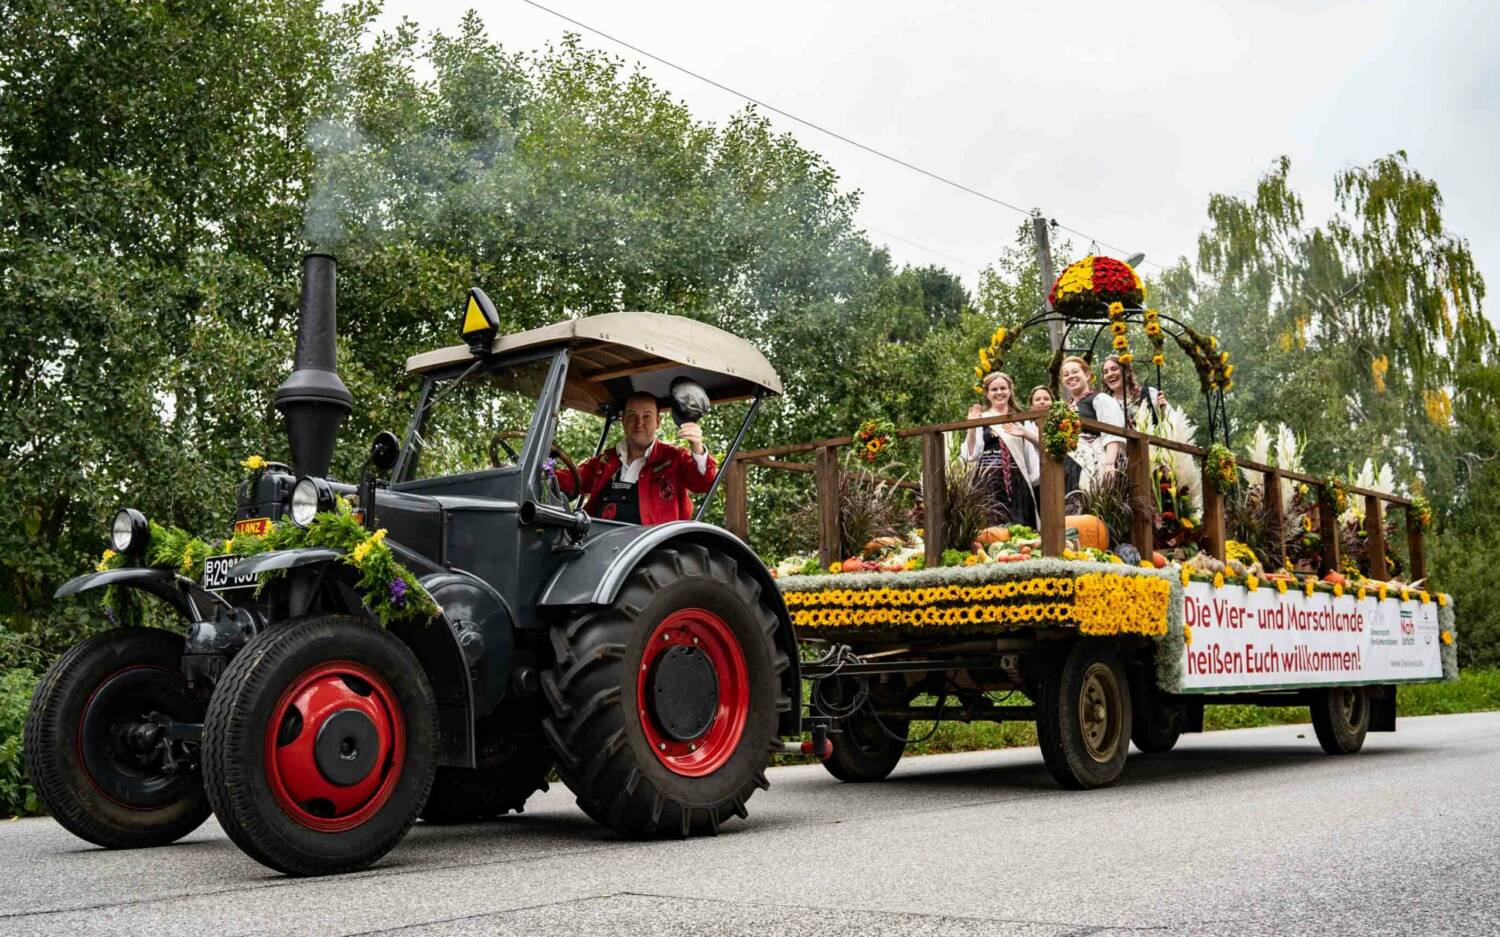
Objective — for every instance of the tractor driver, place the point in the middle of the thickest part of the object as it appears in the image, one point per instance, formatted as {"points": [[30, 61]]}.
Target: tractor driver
{"points": [[643, 480]]}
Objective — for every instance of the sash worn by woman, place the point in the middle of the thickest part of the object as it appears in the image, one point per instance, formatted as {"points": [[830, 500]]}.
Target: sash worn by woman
{"points": [[1098, 454], [1008, 451]]}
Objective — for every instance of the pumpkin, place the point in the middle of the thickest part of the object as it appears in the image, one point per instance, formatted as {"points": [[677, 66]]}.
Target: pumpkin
{"points": [[993, 535], [854, 565], [1335, 577], [1091, 531], [1158, 561]]}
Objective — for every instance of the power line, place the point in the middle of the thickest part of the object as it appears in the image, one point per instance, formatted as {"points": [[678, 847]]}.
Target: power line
{"points": [[938, 253], [936, 177]]}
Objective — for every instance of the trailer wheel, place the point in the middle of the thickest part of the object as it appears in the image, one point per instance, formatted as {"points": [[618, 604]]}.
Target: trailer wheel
{"points": [[665, 703], [320, 745], [97, 762], [1341, 717], [1156, 729], [468, 795], [862, 749], [1084, 717]]}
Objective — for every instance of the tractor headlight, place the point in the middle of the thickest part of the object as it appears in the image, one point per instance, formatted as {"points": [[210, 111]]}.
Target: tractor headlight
{"points": [[309, 496], [130, 531]]}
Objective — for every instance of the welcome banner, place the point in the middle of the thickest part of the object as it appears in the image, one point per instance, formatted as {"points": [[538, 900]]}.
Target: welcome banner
{"points": [[1265, 638]]}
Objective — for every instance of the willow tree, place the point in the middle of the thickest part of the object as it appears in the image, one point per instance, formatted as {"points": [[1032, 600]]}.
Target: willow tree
{"points": [[1354, 332]]}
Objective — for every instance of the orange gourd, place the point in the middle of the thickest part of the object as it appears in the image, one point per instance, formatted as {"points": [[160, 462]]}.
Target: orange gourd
{"points": [[1091, 530]]}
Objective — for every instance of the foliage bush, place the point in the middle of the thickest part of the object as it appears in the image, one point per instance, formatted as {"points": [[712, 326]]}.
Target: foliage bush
{"points": [[16, 795]]}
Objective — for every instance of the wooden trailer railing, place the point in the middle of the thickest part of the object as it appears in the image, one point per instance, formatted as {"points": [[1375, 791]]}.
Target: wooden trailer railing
{"points": [[1138, 450]]}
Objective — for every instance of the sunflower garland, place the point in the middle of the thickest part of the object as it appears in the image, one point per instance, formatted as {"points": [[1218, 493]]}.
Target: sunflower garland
{"points": [[992, 357], [1152, 320], [1097, 602]]}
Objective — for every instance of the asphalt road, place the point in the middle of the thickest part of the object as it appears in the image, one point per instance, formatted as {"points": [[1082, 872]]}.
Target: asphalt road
{"points": [[1246, 833]]}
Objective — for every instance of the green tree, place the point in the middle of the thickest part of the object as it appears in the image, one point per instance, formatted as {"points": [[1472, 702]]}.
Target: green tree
{"points": [[151, 182]]}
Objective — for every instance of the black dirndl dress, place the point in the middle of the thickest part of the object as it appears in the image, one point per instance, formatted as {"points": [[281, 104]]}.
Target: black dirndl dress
{"points": [[1015, 501]]}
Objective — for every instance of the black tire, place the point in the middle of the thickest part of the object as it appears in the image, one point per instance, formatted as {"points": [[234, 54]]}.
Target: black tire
{"points": [[85, 772], [864, 748], [599, 722], [1156, 722], [1084, 717], [255, 788], [1341, 718], [1156, 729], [470, 795]]}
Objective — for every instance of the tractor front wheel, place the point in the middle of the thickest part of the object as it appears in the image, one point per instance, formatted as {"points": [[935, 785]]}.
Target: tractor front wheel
{"points": [[320, 745], [95, 747], [665, 703]]}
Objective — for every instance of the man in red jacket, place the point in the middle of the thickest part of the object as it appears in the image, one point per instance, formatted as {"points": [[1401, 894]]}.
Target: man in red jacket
{"points": [[644, 480]]}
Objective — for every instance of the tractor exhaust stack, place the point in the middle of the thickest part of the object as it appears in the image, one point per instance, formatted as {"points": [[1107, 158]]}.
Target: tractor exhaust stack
{"points": [[313, 398]]}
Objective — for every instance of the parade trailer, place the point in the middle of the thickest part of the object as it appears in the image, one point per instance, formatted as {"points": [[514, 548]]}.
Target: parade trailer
{"points": [[1101, 641]]}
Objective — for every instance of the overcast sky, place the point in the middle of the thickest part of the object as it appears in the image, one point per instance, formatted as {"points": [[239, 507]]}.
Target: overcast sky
{"points": [[1116, 119]]}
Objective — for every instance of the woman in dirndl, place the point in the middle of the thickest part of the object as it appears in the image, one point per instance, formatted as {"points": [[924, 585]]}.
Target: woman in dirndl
{"points": [[1008, 451], [1098, 454]]}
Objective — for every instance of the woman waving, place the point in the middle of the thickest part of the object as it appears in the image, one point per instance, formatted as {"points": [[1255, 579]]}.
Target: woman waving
{"points": [[1008, 450]]}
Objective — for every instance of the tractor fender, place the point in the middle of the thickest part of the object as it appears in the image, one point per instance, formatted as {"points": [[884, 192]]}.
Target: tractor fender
{"points": [[190, 599], [283, 559], [483, 628], [597, 576]]}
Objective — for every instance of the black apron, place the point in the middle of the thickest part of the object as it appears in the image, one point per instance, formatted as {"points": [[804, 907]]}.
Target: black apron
{"points": [[620, 500]]}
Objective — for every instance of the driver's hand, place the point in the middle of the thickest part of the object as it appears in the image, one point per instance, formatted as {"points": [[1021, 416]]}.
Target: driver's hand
{"points": [[692, 434]]}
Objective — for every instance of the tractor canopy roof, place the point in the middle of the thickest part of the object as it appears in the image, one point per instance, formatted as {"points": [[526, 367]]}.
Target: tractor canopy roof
{"points": [[617, 354]]}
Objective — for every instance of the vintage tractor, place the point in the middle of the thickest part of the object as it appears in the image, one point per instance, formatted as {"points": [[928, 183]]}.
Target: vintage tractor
{"points": [[654, 667]]}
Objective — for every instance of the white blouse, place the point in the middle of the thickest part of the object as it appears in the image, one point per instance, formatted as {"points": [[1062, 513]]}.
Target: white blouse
{"points": [[1030, 460], [1108, 410]]}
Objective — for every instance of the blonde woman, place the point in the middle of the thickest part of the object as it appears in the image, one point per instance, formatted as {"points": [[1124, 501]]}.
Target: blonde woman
{"points": [[1008, 450], [1097, 453]]}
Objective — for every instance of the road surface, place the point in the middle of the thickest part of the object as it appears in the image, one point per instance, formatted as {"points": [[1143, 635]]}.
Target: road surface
{"points": [[1246, 833]]}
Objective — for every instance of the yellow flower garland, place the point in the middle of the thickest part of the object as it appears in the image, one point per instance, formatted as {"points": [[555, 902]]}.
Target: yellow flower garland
{"points": [[1099, 603]]}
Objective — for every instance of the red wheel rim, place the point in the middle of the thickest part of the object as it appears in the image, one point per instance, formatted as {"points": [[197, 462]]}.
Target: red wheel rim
{"points": [[712, 747], [300, 785]]}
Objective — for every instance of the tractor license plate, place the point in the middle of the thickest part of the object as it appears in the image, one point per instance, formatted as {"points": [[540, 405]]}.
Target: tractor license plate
{"points": [[216, 575]]}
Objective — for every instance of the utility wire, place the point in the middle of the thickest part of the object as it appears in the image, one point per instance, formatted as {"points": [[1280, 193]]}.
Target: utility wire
{"points": [[936, 177]]}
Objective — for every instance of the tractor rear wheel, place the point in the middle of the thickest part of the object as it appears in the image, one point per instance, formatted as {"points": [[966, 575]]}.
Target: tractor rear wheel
{"points": [[1084, 717], [320, 745], [1341, 718], [665, 703], [97, 756]]}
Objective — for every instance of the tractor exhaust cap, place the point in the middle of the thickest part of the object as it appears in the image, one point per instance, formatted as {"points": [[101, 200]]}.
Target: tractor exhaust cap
{"points": [[313, 398]]}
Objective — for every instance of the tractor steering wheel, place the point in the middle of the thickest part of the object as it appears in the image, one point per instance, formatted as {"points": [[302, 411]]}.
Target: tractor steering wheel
{"points": [[499, 442]]}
